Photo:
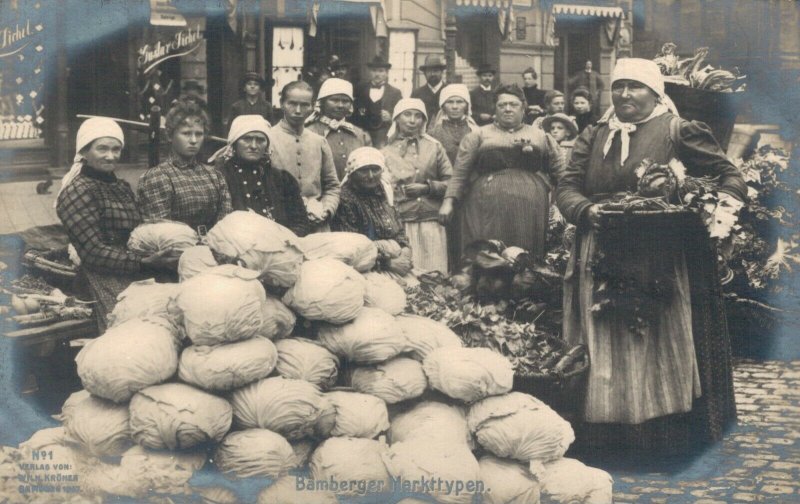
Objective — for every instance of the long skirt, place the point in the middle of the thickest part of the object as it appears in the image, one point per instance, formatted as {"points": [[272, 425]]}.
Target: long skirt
{"points": [[106, 287], [428, 242]]}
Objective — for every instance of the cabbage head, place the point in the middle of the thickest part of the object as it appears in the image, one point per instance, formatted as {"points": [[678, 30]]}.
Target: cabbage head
{"points": [[280, 320], [127, 358], [353, 249], [143, 299], [347, 459], [98, 425], [175, 416], [260, 244], [156, 236], [396, 380], [521, 427], [226, 367], [195, 260], [384, 293], [284, 491], [372, 337], [255, 452], [425, 335], [430, 420], [149, 471], [509, 481], [568, 480], [358, 415], [469, 374], [304, 359], [327, 290]]}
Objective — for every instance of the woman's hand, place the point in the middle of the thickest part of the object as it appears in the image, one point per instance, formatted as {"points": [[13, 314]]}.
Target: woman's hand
{"points": [[163, 260], [446, 211], [593, 216], [415, 190]]}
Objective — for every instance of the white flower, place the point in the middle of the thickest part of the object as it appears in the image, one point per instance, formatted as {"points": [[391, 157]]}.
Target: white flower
{"points": [[39, 27], [39, 48], [19, 98], [33, 94], [678, 169]]}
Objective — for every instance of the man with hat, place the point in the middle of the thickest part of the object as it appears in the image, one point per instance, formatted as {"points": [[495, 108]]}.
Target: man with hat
{"points": [[335, 104], [253, 102], [482, 97], [429, 93], [375, 100]]}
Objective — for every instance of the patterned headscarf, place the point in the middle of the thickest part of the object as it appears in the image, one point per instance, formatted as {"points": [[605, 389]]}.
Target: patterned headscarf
{"points": [[369, 156]]}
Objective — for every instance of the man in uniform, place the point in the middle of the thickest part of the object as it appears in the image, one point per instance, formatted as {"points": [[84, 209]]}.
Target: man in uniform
{"points": [[375, 101]]}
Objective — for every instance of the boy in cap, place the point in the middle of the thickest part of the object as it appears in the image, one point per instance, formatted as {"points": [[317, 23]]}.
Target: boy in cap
{"points": [[253, 102], [375, 101], [429, 93], [482, 97]]}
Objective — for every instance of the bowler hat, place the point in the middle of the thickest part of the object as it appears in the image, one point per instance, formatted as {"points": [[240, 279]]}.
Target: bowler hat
{"points": [[378, 62], [485, 68], [433, 62], [335, 63]]}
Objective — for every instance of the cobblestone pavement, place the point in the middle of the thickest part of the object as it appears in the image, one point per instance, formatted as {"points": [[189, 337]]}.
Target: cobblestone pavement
{"points": [[758, 461]]}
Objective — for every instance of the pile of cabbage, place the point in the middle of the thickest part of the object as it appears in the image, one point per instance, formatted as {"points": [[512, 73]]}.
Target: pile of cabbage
{"points": [[286, 369]]}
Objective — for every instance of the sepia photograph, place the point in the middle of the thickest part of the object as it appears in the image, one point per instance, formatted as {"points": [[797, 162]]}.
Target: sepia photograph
{"points": [[399, 251]]}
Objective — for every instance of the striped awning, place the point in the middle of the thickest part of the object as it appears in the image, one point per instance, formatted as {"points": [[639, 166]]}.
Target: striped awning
{"points": [[483, 3], [589, 10]]}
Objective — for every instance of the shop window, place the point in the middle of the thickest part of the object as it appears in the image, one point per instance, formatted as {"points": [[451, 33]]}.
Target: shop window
{"points": [[288, 44], [402, 48]]}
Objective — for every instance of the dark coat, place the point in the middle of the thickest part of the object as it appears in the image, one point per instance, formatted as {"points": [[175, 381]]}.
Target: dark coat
{"points": [[482, 103], [430, 99], [243, 107], [367, 114]]}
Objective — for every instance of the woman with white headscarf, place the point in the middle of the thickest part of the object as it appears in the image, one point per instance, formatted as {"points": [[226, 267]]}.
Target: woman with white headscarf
{"points": [[419, 169], [666, 384], [98, 211], [454, 119]]}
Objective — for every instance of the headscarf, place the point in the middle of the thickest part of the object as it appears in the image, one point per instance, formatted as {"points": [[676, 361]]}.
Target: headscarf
{"points": [[241, 126], [648, 73], [331, 87], [455, 91], [90, 130], [369, 156], [402, 106]]}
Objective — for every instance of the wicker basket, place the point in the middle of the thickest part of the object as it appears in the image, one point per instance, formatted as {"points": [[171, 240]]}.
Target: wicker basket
{"points": [[717, 109]]}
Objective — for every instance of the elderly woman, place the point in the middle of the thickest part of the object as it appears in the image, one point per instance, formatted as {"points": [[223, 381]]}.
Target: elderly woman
{"points": [[502, 179], [667, 385], [420, 169], [366, 207], [251, 179], [182, 188], [99, 212]]}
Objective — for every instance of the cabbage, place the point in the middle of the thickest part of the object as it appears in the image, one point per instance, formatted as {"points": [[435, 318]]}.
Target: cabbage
{"points": [[425, 335], [260, 244], [222, 305], [372, 337], [509, 481], [156, 236], [127, 358], [177, 416], [327, 290], [469, 374], [280, 320], [216, 495], [284, 491], [304, 359], [292, 408], [255, 452], [303, 448], [345, 459], [195, 260], [393, 381], [353, 249], [568, 480], [433, 459], [520, 426], [429, 420], [227, 367], [358, 415], [151, 472], [98, 425], [384, 293], [143, 299]]}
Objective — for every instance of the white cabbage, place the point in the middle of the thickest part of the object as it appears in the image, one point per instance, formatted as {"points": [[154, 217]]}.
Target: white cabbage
{"points": [[509, 481], [327, 290], [469, 374], [260, 244], [280, 319], [149, 472], [358, 415], [292, 408], [384, 293], [98, 425], [345, 459], [393, 381], [430, 420], [425, 335], [216, 495], [143, 299], [255, 452], [372, 337], [222, 305], [569, 481], [127, 358], [433, 459], [176, 416], [304, 359], [226, 367], [284, 491], [521, 427], [353, 249], [155, 236], [195, 260]]}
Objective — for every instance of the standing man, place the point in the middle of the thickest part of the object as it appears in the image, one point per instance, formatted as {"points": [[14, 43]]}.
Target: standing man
{"points": [[305, 155], [533, 95], [589, 79], [335, 101], [429, 93], [375, 101], [253, 102], [482, 97]]}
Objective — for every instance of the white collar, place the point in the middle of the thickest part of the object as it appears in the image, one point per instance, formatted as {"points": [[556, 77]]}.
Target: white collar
{"points": [[436, 88], [486, 88]]}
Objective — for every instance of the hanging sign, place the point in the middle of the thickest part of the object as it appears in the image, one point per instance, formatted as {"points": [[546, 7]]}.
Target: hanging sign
{"points": [[163, 13], [178, 44]]}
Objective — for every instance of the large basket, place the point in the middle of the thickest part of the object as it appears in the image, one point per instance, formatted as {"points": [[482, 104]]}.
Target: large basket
{"points": [[717, 109]]}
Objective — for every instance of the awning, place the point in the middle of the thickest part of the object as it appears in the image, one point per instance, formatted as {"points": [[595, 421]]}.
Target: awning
{"points": [[483, 3], [587, 10], [376, 13]]}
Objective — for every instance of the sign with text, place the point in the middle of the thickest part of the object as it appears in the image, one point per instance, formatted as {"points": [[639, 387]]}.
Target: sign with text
{"points": [[172, 45]]}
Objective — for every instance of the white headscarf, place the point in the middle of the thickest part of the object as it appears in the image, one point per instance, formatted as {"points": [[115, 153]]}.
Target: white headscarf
{"points": [[455, 91], [331, 87], [90, 130], [241, 126], [402, 106], [369, 156]]}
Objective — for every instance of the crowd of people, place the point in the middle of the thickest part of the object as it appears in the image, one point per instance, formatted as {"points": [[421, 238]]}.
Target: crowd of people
{"points": [[427, 175]]}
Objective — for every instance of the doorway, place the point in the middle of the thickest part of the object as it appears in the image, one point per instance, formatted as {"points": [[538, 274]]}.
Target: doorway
{"points": [[578, 41]]}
